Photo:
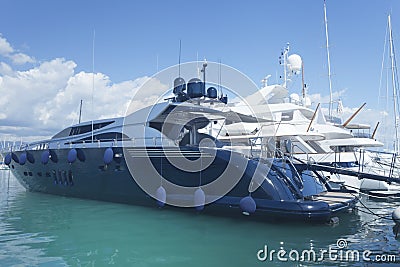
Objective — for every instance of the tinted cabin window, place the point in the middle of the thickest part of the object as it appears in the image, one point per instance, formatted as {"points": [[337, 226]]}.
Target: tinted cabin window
{"points": [[287, 116], [104, 137], [88, 128]]}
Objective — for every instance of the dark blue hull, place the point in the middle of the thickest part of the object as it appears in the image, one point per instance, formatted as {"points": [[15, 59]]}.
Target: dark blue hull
{"points": [[93, 179]]}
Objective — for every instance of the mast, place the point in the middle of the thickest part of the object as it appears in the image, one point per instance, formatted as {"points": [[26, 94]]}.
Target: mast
{"points": [[303, 85], [396, 119], [285, 55], [329, 62]]}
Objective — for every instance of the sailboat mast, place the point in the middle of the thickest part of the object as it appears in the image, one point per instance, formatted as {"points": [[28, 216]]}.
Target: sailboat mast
{"points": [[396, 119], [329, 62], [285, 55], [303, 85]]}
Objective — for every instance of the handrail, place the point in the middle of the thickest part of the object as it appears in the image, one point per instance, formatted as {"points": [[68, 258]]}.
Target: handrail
{"points": [[46, 144], [300, 148]]}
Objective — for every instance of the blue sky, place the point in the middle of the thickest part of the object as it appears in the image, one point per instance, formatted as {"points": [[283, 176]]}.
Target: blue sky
{"points": [[247, 35]]}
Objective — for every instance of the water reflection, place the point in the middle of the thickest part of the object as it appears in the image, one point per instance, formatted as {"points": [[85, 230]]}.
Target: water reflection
{"points": [[19, 246], [39, 229]]}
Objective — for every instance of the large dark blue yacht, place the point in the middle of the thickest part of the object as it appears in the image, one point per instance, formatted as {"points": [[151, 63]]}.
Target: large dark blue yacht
{"points": [[158, 156]]}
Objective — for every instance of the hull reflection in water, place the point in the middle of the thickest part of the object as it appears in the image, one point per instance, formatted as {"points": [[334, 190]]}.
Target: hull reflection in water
{"points": [[46, 230]]}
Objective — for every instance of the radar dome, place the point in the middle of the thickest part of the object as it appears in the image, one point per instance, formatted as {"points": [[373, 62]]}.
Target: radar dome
{"points": [[294, 63]]}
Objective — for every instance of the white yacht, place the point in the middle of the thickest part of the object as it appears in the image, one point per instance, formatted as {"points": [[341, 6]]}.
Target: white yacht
{"points": [[307, 135]]}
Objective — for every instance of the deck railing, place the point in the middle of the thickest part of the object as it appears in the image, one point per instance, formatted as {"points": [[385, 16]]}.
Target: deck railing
{"points": [[58, 144]]}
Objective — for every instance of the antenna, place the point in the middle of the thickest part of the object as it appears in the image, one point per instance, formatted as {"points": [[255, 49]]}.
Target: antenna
{"points": [[157, 63], [329, 62], [179, 59], [197, 63], [222, 98], [394, 83], [219, 78], [94, 35]]}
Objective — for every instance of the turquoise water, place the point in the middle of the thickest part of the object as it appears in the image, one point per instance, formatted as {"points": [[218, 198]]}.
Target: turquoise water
{"points": [[44, 230]]}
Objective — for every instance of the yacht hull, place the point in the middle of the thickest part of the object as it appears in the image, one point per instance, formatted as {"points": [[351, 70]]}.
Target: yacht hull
{"points": [[113, 182]]}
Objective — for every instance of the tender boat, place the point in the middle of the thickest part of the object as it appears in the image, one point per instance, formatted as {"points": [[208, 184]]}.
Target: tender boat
{"points": [[157, 157]]}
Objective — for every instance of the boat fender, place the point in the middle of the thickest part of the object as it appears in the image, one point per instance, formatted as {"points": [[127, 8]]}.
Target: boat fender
{"points": [[7, 159], [53, 156], [396, 215], [15, 157], [45, 157], [199, 199], [30, 157], [22, 158], [81, 155], [396, 229], [72, 154], [396, 219], [334, 221], [161, 196], [108, 156], [248, 205]]}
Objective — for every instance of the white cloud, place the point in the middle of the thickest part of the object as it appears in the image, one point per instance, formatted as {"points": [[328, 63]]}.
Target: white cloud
{"points": [[17, 58], [20, 59], [5, 47], [5, 69], [324, 99], [44, 99]]}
